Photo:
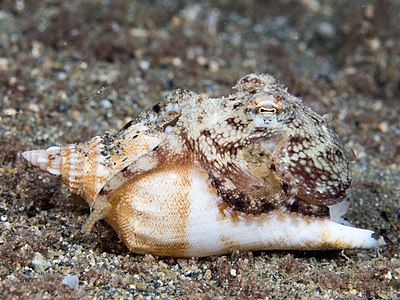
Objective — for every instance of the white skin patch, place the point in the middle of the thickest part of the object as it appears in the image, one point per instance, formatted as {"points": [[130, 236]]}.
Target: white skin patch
{"points": [[152, 118], [176, 107], [269, 145], [168, 129]]}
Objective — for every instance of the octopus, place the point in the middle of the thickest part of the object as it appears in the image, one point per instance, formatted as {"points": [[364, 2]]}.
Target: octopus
{"points": [[200, 176]]}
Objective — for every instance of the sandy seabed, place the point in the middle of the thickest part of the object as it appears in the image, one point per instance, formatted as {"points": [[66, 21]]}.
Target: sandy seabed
{"points": [[70, 70]]}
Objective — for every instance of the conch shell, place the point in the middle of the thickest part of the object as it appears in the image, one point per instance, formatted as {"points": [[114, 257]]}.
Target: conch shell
{"points": [[196, 176]]}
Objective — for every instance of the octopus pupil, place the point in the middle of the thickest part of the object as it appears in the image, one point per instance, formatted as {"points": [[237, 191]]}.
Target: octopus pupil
{"points": [[156, 108]]}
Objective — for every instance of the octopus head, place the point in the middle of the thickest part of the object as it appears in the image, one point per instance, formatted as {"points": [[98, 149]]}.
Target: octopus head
{"points": [[306, 154]]}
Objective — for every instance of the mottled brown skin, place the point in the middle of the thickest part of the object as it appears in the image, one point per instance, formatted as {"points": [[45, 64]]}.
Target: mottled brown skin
{"points": [[261, 147]]}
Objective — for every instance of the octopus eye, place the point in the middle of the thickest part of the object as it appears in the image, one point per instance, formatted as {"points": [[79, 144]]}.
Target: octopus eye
{"points": [[266, 111]]}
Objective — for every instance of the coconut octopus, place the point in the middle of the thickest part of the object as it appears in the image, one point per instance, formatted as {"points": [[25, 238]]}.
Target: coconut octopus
{"points": [[198, 176]]}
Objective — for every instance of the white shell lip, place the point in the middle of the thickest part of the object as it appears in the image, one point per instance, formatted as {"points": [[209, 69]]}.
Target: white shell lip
{"points": [[282, 235], [278, 232]]}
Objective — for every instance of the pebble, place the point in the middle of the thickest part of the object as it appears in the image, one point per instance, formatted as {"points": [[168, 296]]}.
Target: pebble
{"points": [[71, 280], [40, 264], [383, 127], [144, 64], [4, 64], [207, 275], [34, 107], [11, 112]]}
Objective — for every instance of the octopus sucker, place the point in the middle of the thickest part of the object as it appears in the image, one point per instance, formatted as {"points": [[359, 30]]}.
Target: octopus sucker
{"points": [[198, 176]]}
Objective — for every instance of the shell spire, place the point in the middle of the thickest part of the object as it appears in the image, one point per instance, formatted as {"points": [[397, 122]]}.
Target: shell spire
{"points": [[86, 167], [72, 165], [47, 160]]}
